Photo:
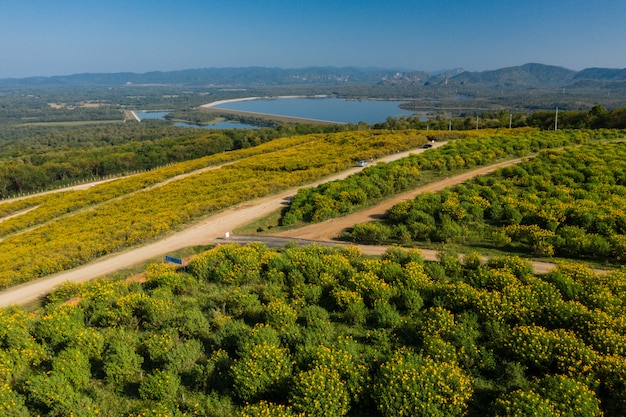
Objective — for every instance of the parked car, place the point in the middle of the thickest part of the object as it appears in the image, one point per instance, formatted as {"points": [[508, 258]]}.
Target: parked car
{"points": [[427, 145]]}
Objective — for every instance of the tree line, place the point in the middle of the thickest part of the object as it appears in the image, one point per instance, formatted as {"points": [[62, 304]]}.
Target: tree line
{"points": [[596, 118], [42, 158]]}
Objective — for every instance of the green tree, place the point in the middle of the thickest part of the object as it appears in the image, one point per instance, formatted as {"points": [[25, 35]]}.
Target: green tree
{"points": [[73, 364], [320, 392], [121, 363], [522, 403], [570, 398], [12, 404], [262, 371], [161, 385], [53, 394], [413, 385]]}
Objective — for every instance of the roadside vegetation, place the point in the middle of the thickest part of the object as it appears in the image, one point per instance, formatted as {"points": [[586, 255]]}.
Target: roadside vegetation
{"points": [[337, 198], [250, 331], [36, 158], [69, 229], [51, 140], [314, 331], [566, 203]]}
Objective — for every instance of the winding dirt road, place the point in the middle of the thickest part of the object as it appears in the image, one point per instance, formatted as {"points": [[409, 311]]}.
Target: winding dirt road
{"points": [[328, 231]]}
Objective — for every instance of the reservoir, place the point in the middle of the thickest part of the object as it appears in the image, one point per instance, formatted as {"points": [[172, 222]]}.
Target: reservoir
{"points": [[219, 125], [328, 109]]}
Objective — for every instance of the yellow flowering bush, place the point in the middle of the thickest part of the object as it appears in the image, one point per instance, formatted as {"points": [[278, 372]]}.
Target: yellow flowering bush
{"points": [[320, 392], [262, 371], [411, 385]]}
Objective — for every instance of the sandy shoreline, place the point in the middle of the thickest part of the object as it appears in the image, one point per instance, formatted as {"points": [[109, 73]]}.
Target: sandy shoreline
{"points": [[268, 116], [235, 100]]}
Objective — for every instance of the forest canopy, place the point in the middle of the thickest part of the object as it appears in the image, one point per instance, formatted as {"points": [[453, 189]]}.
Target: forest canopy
{"points": [[251, 331]]}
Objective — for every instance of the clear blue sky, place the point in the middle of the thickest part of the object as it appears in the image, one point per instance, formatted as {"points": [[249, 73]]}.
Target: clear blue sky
{"points": [[59, 37]]}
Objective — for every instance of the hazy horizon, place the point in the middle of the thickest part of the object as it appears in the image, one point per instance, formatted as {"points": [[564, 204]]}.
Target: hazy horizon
{"points": [[293, 68], [68, 37]]}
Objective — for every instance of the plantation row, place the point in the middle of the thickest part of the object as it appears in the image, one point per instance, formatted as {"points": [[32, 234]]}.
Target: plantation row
{"points": [[337, 198], [134, 218], [566, 203], [319, 331], [51, 206], [43, 156]]}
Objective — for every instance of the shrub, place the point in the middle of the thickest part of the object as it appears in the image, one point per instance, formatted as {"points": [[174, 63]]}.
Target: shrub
{"points": [[320, 392], [160, 386], [412, 385], [262, 372]]}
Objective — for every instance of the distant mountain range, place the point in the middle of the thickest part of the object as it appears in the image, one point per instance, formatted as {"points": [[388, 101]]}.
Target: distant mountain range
{"points": [[539, 75], [524, 76]]}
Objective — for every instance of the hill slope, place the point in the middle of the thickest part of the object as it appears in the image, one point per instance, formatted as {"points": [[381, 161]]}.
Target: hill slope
{"points": [[532, 74]]}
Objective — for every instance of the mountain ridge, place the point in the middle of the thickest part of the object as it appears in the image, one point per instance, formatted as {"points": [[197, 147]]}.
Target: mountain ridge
{"points": [[527, 75]]}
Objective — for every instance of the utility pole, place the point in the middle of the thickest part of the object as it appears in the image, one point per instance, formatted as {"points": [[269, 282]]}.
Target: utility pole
{"points": [[510, 120], [556, 119]]}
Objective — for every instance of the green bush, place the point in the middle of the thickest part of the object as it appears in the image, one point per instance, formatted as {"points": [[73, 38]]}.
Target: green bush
{"points": [[262, 372], [320, 392], [412, 385]]}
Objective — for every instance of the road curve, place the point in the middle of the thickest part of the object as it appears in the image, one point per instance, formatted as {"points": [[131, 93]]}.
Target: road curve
{"points": [[330, 229]]}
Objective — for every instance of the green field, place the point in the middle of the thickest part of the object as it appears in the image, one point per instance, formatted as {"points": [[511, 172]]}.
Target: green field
{"points": [[251, 331], [65, 230]]}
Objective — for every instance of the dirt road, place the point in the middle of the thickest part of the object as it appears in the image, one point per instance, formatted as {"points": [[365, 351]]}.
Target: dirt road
{"points": [[215, 227], [331, 228], [201, 233]]}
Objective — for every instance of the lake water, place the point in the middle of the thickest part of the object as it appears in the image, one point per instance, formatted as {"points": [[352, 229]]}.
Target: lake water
{"points": [[219, 125], [329, 109]]}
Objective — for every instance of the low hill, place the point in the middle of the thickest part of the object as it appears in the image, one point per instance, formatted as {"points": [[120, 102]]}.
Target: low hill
{"points": [[233, 77], [601, 74], [532, 74]]}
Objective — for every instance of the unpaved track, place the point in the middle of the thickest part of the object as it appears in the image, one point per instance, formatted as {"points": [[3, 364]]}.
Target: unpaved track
{"points": [[201, 233], [213, 229], [330, 229]]}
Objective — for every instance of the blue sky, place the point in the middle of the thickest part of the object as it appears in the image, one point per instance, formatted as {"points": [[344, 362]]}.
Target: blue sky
{"points": [[59, 37]]}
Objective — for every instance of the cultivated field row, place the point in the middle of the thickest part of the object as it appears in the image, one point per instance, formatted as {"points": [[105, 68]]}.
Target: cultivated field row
{"points": [[66, 230]]}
